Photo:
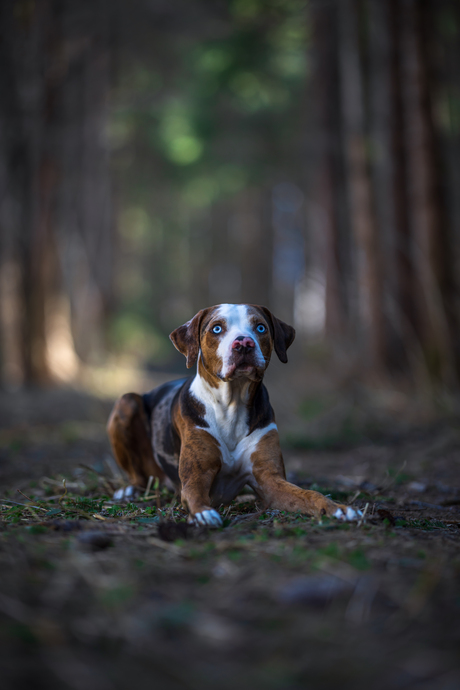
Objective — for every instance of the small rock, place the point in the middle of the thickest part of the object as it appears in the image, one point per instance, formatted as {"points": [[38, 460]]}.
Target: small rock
{"points": [[368, 486], [216, 630], [417, 487]]}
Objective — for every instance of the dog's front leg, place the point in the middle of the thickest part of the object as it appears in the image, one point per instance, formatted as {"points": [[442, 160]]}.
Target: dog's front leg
{"points": [[200, 461], [279, 494]]}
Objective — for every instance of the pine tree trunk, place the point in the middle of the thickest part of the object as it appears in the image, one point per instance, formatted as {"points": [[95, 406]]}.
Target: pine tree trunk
{"points": [[369, 266], [438, 327], [56, 204], [328, 108]]}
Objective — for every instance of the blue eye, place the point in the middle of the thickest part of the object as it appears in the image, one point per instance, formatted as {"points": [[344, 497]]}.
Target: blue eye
{"points": [[217, 329], [261, 328]]}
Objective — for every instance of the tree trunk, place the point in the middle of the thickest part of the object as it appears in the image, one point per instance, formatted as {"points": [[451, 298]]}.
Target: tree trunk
{"points": [[328, 109], [55, 206], [405, 293], [28, 110], [369, 265], [438, 323]]}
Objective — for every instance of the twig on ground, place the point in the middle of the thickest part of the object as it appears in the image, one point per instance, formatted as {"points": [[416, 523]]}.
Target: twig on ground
{"points": [[30, 507], [360, 522], [149, 484], [105, 480], [64, 494], [242, 518], [171, 510], [22, 494], [16, 503], [354, 497], [392, 481], [157, 494], [90, 469]]}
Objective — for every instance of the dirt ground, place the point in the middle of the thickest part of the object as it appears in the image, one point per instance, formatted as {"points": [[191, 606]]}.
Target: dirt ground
{"points": [[103, 596]]}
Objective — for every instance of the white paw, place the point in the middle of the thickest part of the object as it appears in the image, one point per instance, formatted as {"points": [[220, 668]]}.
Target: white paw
{"points": [[208, 517], [123, 494], [350, 514]]}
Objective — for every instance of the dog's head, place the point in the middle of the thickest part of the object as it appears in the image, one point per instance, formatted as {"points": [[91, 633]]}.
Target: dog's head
{"points": [[233, 340]]}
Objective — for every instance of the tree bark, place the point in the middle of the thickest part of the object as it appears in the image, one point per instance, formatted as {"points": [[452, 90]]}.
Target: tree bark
{"points": [[56, 205], [328, 108], [438, 322], [369, 265]]}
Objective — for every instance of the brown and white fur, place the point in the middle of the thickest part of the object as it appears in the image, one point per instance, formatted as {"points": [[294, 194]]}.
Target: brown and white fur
{"points": [[211, 435]]}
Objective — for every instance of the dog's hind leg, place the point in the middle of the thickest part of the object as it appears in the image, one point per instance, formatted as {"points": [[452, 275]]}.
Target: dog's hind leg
{"points": [[128, 431]]}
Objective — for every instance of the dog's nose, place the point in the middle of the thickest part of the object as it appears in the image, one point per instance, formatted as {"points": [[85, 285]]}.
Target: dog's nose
{"points": [[242, 342]]}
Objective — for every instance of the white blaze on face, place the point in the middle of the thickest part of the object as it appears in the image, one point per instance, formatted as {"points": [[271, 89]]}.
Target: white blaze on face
{"points": [[237, 323]]}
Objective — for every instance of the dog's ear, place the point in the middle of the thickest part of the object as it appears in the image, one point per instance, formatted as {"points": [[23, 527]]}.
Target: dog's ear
{"points": [[186, 338], [283, 335]]}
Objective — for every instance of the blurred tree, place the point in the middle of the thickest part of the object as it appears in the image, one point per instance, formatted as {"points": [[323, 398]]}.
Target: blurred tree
{"points": [[438, 320], [402, 249], [325, 47], [368, 260], [56, 209], [302, 155]]}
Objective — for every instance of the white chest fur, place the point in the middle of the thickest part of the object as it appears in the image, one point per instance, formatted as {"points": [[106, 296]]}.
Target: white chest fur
{"points": [[226, 414]]}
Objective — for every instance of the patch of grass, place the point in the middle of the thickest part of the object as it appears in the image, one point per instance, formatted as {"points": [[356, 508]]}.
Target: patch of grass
{"points": [[358, 560], [331, 550], [36, 529], [426, 524], [234, 554]]}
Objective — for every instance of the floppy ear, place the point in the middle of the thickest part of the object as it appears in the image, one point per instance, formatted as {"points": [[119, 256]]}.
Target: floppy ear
{"points": [[186, 338], [283, 334]]}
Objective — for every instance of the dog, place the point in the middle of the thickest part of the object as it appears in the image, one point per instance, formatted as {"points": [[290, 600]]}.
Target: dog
{"points": [[210, 435]]}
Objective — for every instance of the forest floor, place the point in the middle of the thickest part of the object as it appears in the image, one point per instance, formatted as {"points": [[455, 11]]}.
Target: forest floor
{"points": [[97, 595]]}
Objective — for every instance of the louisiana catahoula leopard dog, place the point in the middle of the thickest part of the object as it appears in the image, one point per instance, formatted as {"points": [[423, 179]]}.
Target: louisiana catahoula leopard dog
{"points": [[210, 435]]}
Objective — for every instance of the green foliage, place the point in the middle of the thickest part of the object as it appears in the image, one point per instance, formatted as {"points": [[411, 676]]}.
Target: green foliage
{"points": [[195, 121]]}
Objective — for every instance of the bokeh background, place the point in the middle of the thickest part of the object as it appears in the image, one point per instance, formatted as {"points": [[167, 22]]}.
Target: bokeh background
{"points": [[158, 157], [161, 156]]}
